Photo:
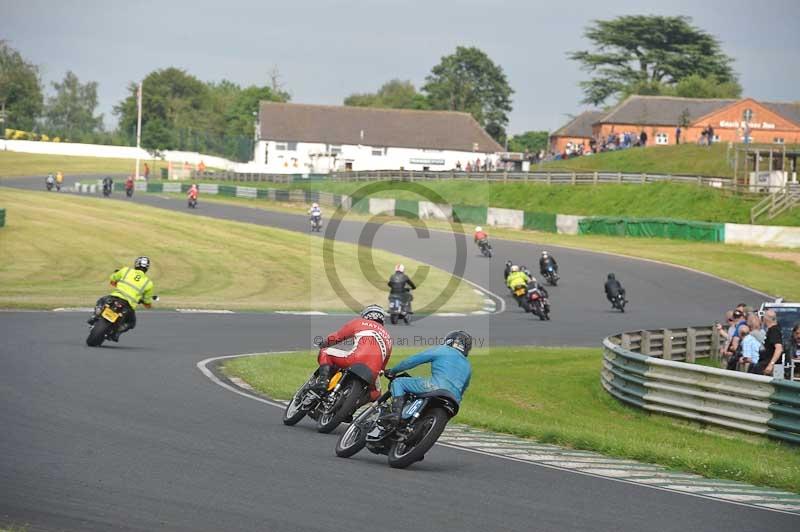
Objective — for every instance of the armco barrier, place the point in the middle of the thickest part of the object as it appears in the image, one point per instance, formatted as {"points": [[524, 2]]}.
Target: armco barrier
{"points": [[752, 403]]}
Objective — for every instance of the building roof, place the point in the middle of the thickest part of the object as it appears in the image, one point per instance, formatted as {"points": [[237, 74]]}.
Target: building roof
{"points": [[580, 126], [662, 110], [400, 128], [790, 111]]}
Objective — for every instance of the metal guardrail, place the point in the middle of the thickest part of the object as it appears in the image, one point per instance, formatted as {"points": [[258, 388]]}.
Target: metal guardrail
{"points": [[648, 380]]}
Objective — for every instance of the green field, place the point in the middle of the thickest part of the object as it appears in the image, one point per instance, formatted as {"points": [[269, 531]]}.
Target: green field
{"points": [[14, 164], [60, 249], [554, 395]]}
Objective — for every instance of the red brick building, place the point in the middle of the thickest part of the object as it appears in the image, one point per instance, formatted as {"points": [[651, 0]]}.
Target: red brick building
{"points": [[576, 131], [660, 116]]}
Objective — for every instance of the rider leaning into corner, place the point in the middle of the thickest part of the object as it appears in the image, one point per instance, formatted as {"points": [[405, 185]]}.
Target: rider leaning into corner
{"points": [[480, 235], [547, 260], [450, 371], [614, 287], [397, 285], [315, 211], [193, 192], [372, 346], [130, 285]]}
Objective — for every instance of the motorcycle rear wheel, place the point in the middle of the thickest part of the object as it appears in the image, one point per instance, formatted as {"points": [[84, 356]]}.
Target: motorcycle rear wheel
{"points": [[431, 424], [98, 333], [345, 406]]}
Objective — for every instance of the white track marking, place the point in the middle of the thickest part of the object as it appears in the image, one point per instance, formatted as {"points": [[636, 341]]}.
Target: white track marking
{"points": [[73, 309], [302, 312], [203, 311], [560, 459]]}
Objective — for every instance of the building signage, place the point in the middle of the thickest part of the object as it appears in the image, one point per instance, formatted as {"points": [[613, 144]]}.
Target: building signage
{"points": [[752, 125], [426, 161]]}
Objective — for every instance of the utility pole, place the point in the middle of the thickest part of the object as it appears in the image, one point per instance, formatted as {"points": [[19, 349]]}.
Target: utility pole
{"points": [[138, 127]]}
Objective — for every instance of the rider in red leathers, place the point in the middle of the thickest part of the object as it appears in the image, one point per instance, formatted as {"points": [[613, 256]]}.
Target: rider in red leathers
{"points": [[372, 347]]}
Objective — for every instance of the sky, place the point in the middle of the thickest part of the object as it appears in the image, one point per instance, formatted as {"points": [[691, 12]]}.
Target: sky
{"points": [[326, 50]]}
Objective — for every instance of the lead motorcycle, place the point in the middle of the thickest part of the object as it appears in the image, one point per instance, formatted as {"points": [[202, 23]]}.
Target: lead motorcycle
{"points": [[618, 302], [422, 421], [399, 308], [316, 224], [109, 314], [347, 390]]}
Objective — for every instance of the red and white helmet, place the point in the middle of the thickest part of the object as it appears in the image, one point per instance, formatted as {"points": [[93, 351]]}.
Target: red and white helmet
{"points": [[400, 268]]}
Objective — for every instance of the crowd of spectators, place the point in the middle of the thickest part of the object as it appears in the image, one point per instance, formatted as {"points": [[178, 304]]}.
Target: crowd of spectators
{"points": [[752, 342], [612, 142]]}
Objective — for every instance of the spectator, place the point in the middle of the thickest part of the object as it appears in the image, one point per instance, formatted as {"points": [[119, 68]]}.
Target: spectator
{"points": [[738, 322], [750, 348], [678, 135], [469, 166], [773, 346], [643, 138], [146, 171], [793, 349], [458, 165], [710, 134], [725, 330], [202, 168], [756, 329]]}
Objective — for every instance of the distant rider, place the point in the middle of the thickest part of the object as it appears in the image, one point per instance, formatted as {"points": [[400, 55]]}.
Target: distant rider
{"points": [[614, 288], [108, 184], [50, 181], [129, 183], [450, 372], [59, 180], [507, 269], [546, 261], [480, 237], [397, 286], [372, 347], [315, 212], [131, 285], [193, 192]]}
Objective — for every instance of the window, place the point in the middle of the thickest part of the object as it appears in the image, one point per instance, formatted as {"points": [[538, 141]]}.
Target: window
{"points": [[280, 146], [335, 149], [778, 140], [662, 138], [291, 146], [378, 152]]}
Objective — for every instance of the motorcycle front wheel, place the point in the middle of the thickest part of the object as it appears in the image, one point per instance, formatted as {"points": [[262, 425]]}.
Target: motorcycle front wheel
{"points": [[293, 413], [355, 437], [427, 429]]}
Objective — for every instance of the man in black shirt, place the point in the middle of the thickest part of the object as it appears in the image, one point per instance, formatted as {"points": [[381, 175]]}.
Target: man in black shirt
{"points": [[773, 345], [397, 285]]}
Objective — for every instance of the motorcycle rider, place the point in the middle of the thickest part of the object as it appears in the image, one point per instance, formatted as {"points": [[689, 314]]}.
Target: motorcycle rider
{"points": [[450, 371], [49, 181], [546, 261], [397, 286], [59, 180], [193, 192], [481, 238], [614, 288], [315, 212], [129, 183], [372, 346], [108, 185], [507, 269], [533, 284], [131, 285], [515, 279]]}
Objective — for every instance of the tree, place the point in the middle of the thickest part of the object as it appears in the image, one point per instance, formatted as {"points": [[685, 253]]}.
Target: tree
{"points": [[530, 141], [639, 54], [394, 94], [70, 112], [469, 81], [20, 89]]}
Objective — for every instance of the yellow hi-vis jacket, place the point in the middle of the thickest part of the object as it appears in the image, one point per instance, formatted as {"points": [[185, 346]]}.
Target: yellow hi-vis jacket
{"points": [[132, 286], [517, 279]]}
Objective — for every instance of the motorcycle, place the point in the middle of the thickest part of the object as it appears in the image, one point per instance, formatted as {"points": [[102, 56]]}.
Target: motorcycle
{"points": [[108, 316], [107, 186], [485, 247], [129, 191], [347, 390], [316, 223], [422, 421], [537, 304], [618, 302], [519, 292], [399, 309], [49, 183], [192, 203], [551, 276]]}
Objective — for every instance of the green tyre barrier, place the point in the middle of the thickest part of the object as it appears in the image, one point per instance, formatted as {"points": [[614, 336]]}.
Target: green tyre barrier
{"points": [[406, 208], [469, 214], [539, 221], [155, 187], [653, 228], [227, 190]]}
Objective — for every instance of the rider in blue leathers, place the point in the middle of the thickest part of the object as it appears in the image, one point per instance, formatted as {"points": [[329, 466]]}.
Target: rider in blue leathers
{"points": [[450, 370]]}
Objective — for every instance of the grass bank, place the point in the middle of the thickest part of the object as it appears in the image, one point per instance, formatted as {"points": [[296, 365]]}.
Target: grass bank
{"points": [[770, 270], [554, 395], [15, 164], [665, 200], [61, 248]]}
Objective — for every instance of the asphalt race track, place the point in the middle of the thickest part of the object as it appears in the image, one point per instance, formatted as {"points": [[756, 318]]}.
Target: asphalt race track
{"points": [[133, 437]]}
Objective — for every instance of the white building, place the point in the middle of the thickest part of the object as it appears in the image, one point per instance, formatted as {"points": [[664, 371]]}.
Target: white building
{"points": [[300, 138]]}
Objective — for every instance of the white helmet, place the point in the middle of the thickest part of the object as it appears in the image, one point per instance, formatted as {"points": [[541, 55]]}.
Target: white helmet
{"points": [[544, 253], [315, 205], [515, 268], [478, 229], [400, 268]]}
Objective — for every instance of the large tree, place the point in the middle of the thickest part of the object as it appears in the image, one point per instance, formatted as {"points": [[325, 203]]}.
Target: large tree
{"points": [[70, 111], [636, 53], [394, 94], [20, 89], [530, 141], [469, 81]]}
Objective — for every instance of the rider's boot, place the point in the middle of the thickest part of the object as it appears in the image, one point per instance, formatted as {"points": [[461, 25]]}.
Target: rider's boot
{"points": [[391, 419], [323, 376]]}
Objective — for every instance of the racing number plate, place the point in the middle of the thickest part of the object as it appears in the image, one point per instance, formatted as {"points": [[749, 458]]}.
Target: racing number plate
{"points": [[110, 315], [519, 291]]}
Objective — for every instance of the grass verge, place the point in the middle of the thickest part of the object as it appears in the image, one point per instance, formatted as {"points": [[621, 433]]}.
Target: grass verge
{"points": [[61, 248], [15, 164], [554, 395], [770, 270]]}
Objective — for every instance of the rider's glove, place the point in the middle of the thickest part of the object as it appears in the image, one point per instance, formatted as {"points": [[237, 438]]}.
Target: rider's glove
{"points": [[389, 374]]}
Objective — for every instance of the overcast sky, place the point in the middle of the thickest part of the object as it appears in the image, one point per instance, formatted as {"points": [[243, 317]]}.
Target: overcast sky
{"points": [[326, 50]]}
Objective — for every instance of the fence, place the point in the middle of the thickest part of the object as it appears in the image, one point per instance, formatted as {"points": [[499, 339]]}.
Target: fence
{"points": [[642, 369]]}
